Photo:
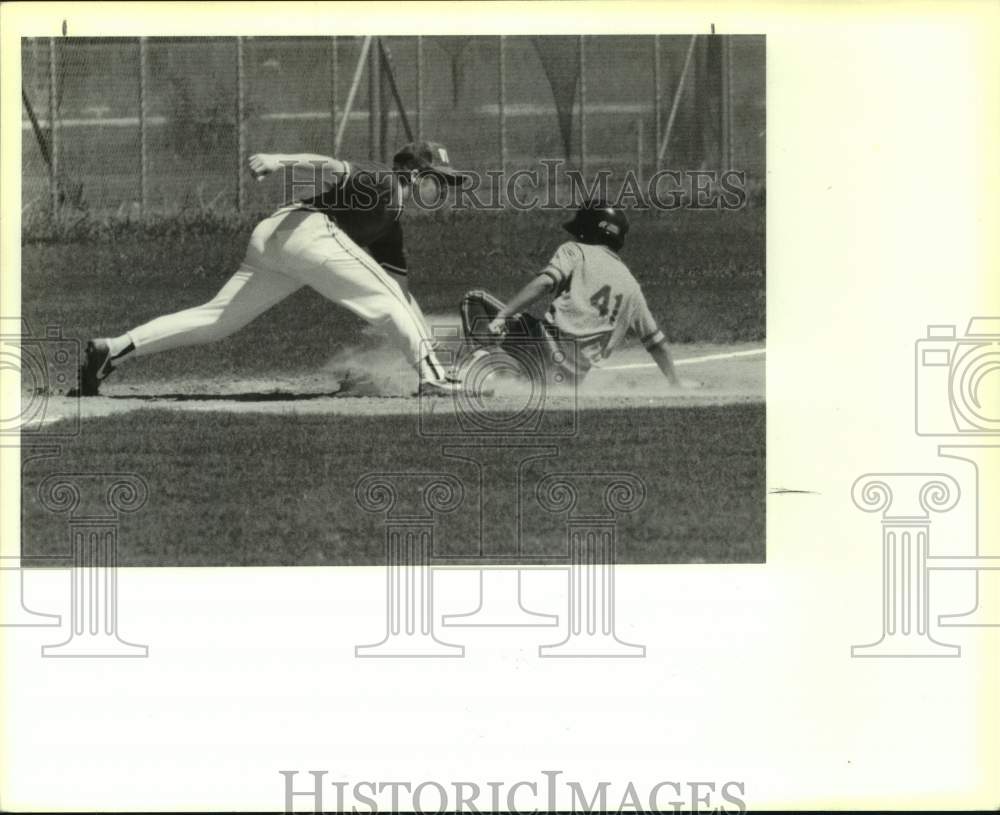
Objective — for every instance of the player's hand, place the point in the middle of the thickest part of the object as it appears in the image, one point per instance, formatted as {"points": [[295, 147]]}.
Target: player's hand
{"points": [[263, 164], [497, 327]]}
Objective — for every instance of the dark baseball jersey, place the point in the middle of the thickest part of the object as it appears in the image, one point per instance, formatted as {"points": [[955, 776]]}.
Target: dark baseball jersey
{"points": [[365, 203], [597, 303]]}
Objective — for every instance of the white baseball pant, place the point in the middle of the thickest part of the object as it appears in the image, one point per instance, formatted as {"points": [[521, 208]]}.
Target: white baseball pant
{"points": [[293, 248]]}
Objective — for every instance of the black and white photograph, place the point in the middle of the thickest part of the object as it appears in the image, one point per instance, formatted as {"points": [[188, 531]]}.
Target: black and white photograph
{"points": [[288, 263], [504, 406]]}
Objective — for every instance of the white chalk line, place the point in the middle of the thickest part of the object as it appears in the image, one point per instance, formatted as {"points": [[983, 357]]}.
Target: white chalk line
{"points": [[688, 361]]}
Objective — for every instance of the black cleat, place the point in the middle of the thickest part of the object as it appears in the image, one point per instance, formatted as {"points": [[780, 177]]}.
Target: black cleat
{"points": [[96, 367], [440, 387]]}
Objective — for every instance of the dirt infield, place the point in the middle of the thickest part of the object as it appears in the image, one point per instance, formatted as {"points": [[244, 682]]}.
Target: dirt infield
{"points": [[372, 383]]}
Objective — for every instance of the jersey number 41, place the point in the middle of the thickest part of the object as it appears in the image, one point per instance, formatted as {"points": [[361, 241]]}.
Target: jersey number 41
{"points": [[601, 299]]}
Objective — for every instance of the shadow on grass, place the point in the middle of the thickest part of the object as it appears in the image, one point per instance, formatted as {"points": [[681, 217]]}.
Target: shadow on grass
{"points": [[251, 396]]}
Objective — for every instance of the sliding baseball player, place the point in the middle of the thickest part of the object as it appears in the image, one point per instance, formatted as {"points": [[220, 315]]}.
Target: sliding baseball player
{"points": [[596, 304], [346, 243]]}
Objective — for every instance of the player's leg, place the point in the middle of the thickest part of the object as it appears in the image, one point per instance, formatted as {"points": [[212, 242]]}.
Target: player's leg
{"points": [[326, 259], [414, 305], [246, 295]]}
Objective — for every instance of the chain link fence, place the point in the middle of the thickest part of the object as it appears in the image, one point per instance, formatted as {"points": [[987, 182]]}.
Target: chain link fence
{"points": [[164, 124]]}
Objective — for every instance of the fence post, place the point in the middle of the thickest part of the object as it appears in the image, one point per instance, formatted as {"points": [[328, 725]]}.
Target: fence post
{"points": [[359, 70], [726, 107], [638, 149], [420, 87], [662, 147], [36, 73], [502, 103], [657, 99], [333, 87], [373, 88], [143, 155], [53, 131], [240, 126], [583, 115], [384, 94]]}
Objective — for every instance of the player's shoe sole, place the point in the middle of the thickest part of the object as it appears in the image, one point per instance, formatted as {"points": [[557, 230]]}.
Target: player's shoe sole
{"points": [[446, 387], [439, 387], [95, 369]]}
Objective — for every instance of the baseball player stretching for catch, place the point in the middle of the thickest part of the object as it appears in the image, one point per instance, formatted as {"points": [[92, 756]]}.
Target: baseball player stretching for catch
{"points": [[316, 242], [597, 302]]}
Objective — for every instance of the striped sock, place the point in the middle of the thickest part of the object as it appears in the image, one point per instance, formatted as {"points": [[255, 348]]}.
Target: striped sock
{"points": [[120, 346], [430, 369]]}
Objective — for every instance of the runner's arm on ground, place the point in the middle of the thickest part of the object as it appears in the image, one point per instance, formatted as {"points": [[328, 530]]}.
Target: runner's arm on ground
{"points": [[644, 326], [661, 355]]}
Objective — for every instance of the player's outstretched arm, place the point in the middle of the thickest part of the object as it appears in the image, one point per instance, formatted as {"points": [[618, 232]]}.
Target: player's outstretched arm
{"points": [[534, 290], [665, 362], [262, 165]]}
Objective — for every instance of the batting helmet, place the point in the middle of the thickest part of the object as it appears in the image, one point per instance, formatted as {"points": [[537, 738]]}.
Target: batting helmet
{"points": [[599, 222]]}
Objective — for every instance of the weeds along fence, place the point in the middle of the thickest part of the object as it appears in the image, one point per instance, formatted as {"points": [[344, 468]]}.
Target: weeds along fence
{"points": [[159, 125]]}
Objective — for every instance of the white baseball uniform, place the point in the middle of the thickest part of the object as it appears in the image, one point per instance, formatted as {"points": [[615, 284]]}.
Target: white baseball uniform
{"points": [[316, 243]]}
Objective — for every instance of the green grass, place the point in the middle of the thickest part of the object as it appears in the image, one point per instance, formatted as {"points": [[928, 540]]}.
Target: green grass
{"points": [[702, 271], [266, 490]]}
